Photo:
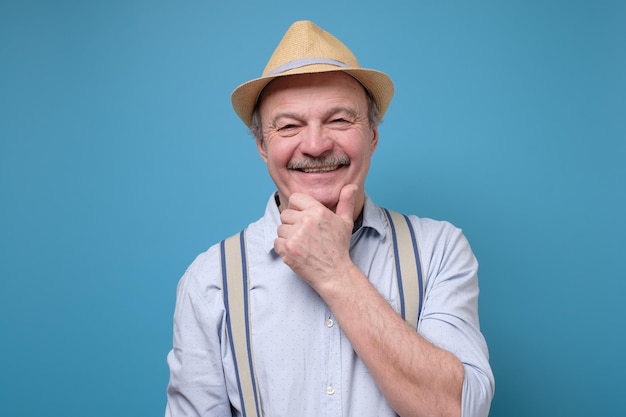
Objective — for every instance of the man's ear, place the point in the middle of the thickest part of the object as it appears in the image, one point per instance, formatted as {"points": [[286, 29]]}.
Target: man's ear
{"points": [[260, 145], [374, 142]]}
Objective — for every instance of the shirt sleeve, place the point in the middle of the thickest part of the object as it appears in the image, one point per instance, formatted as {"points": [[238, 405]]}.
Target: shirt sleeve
{"points": [[450, 312], [197, 384]]}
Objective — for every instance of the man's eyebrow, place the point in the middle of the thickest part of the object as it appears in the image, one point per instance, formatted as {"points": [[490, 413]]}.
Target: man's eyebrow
{"points": [[339, 109], [283, 115]]}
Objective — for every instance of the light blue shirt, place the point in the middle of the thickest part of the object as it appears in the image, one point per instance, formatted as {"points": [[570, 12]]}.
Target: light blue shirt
{"points": [[305, 365]]}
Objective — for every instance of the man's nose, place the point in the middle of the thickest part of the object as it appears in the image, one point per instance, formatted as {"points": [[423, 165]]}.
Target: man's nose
{"points": [[316, 141]]}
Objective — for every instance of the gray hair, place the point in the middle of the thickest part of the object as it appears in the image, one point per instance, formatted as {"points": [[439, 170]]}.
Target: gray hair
{"points": [[373, 114]]}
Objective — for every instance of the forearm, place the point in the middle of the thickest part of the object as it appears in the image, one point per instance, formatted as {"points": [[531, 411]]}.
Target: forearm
{"points": [[416, 377]]}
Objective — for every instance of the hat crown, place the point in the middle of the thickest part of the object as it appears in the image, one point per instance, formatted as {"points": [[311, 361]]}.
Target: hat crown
{"points": [[305, 43], [307, 49]]}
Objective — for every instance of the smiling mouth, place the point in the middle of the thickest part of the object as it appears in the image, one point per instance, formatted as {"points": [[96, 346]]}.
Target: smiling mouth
{"points": [[319, 170]]}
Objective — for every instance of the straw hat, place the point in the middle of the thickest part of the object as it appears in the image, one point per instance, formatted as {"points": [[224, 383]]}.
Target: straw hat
{"points": [[307, 48]]}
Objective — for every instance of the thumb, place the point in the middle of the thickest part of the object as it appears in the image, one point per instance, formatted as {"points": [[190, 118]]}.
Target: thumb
{"points": [[345, 205]]}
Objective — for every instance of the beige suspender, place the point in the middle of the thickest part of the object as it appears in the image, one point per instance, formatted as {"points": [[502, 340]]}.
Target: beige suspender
{"points": [[234, 265], [406, 254], [236, 286]]}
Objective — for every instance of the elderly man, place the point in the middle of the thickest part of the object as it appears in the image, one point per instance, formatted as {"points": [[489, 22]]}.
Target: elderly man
{"points": [[323, 330]]}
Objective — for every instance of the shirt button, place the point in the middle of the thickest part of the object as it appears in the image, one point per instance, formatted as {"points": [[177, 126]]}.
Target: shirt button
{"points": [[330, 390], [329, 323]]}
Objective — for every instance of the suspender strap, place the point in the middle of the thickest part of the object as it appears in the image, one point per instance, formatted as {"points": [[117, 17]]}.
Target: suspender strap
{"points": [[407, 259], [235, 291]]}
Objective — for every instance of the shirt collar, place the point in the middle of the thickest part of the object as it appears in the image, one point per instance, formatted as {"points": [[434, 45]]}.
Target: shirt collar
{"points": [[373, 218]]}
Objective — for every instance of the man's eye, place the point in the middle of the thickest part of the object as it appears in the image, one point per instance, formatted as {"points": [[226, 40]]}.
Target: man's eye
{"points": [[340, 121], [288, 129]]}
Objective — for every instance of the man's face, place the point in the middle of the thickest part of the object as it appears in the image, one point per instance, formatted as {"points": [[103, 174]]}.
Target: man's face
{"points": [[317, 136]]}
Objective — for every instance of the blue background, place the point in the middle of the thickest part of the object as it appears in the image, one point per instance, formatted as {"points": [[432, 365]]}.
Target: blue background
{"points": [[121, 159]]}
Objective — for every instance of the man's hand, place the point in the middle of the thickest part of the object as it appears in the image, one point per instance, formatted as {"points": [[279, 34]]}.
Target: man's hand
{"points": [[313, 240], [416, 377]]}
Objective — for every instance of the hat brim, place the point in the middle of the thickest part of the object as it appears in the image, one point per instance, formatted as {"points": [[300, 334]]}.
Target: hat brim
{"points": [[377, 83]]}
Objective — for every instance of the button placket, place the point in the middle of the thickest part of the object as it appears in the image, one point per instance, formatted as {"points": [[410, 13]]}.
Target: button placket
{"points": [[331, 389]]}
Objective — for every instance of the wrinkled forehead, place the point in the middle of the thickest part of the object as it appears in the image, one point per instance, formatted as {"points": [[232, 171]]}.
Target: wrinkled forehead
{"points": [[337, 81]]}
